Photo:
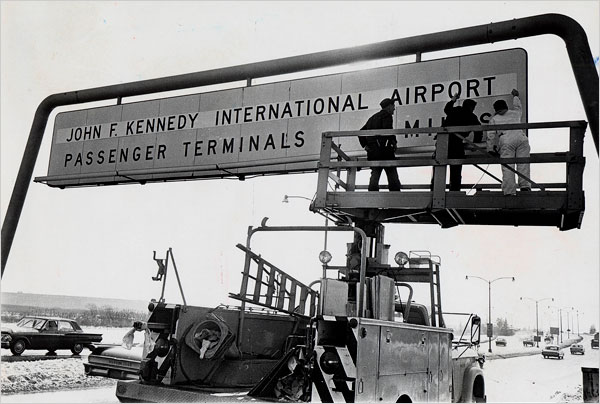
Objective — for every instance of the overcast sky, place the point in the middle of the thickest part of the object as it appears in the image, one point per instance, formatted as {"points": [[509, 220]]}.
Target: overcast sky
{"points": [[98, 241]]}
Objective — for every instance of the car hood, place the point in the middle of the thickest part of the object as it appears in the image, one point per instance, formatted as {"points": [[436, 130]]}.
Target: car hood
{"points": [[21, 330]]}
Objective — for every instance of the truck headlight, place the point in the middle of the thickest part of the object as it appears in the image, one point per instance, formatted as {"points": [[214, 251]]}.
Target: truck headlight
{"points": [[324, 256], [401, 258]]}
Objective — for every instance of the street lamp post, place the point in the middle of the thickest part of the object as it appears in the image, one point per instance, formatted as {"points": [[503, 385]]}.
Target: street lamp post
{"points": [[578, 322], [568, 322], [537, 331], [287, 197], [490, 302]]}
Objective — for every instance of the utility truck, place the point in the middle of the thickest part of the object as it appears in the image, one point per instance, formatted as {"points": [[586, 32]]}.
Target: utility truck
{"points": [[360, 336]]}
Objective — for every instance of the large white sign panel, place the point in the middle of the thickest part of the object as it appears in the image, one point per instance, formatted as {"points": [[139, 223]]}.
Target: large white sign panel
{"points": [[270, 128]]}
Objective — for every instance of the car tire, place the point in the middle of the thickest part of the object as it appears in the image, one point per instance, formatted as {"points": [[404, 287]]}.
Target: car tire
{"points": [[18, 347], [77, 349]]}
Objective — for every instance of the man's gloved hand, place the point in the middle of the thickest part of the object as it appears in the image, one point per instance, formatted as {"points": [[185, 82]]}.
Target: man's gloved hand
{"points": [[494, 152]]}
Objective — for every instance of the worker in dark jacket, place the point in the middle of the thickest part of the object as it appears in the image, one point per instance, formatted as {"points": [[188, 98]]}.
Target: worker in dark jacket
{"points": [[459, 116], [382, 147]]}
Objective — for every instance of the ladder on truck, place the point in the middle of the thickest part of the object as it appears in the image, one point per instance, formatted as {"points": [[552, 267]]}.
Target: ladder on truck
{"points": [[421, 267], [268, 286]]}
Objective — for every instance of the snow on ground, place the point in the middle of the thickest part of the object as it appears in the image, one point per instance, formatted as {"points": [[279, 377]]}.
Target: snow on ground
{"points": [[533, 379], [47, 375], [56, 374], [65, 374]]}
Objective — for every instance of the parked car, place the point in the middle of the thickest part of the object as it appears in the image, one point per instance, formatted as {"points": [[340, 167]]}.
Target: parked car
{"points": [[528, 342], [500, 342], [595, 341], [553, 351], [114, 361], [50, 333], [577, 349]]}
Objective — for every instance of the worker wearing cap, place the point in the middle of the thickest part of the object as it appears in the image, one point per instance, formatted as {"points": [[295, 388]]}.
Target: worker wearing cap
{"points": [[381, 147], [459, 116], [509, 144]]}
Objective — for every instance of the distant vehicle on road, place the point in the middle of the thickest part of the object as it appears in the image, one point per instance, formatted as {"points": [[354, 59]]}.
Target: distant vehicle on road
{"points": [[595, 341], [500, 342], [49, 333], [547, 339], [577, 349], [528, 342], [553, 351]]}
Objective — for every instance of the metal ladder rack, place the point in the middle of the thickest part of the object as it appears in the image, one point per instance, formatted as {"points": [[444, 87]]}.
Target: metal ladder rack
{"points": [[423, 269], [270, 287]]}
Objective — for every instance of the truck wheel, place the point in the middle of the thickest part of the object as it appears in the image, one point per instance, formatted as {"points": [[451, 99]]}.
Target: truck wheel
{"points": [[18, 347], [77, 348]]}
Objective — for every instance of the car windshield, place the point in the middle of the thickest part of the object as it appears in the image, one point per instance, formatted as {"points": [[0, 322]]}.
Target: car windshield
{"points": [[29, 322], [552, 348]]}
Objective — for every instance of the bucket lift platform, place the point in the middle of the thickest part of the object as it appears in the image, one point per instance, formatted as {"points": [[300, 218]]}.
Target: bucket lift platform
{"points": [[557, 204]]}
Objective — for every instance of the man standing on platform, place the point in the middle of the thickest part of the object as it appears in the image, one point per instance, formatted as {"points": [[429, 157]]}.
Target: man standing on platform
{"points": [[510, 144], [459, 116], [381, 147]]}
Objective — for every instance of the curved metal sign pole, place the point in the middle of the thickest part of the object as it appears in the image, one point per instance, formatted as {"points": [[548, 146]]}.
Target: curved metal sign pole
{"points": [[565, 27]]}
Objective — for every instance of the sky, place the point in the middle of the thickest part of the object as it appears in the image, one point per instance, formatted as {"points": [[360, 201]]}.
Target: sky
{"points": [[99, 241]]}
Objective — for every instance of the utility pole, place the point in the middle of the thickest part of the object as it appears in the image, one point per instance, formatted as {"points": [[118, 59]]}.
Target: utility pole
{"points": [[560, 310], [537, 330], [490, 326], [568, 326], [578, 334]]}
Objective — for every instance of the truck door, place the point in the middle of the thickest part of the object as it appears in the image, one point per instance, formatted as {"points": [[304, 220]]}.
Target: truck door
{"points": [[434, 367], [367, 359], [444, 371], [403, 364], [439, 367]]}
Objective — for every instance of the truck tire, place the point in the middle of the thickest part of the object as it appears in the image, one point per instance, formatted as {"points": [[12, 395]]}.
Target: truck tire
{"points": [[473, 388], [77, 348], [18, 347]]}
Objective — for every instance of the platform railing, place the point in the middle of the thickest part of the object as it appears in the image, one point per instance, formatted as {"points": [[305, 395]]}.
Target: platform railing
{"points": [[341, 166]]}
